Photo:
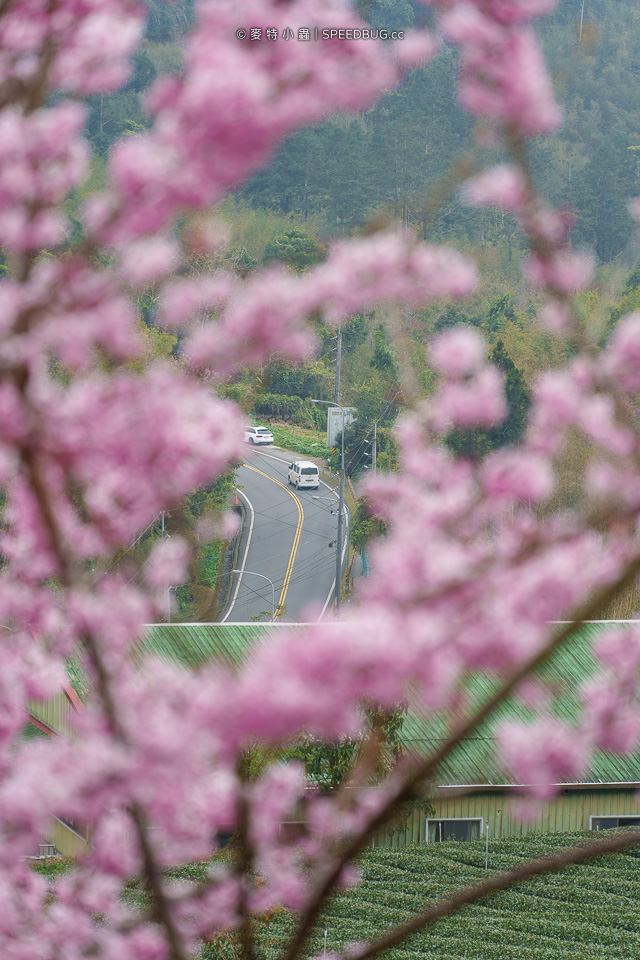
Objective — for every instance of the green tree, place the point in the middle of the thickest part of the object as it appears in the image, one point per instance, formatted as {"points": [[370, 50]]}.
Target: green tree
{"points": [[354, 333], [453, 316], [383, 357], [310, 379], [633, 280], [350, 196], [294, 181], [327, 763], [600, 196], [372, 408], [476, 444], [518, 401], [169, 21], [500, 309], [295, 249], [387, 14], [365, 525]]}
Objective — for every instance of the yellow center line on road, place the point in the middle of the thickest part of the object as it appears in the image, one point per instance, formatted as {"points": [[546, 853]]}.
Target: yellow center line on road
{"points": [[296, 538]]}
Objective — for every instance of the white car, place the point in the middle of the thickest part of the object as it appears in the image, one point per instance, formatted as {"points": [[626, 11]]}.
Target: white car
{"points": [[257, 435], [303, 473]]}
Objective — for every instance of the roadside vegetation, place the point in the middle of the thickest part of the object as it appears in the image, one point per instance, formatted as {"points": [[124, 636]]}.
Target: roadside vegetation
{"points": [[306, 442]]}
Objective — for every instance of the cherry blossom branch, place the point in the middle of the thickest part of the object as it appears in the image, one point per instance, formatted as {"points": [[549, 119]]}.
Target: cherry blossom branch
{"points": [[501, 881], [244, 867], [587, 611], [153, 876], [151, 869], [84, 475], [427, 770]]}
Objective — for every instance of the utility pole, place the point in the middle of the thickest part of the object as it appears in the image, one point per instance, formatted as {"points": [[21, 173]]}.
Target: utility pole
{"points": [[163, 536], [374, 449], [336, 604], [338, 584], [336, 396]]}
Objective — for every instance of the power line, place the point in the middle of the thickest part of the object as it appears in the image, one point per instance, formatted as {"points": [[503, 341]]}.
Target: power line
{"points": [[380, 417], [132, 545]]}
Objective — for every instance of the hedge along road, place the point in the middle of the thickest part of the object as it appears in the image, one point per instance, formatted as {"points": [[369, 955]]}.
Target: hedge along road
{"points": [[286, 536]]}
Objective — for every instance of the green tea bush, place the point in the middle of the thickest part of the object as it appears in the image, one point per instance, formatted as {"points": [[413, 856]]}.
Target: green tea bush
{"points": [[588, 911]]}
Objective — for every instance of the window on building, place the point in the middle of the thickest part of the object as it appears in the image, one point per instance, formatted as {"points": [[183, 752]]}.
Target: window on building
{"points": [[609, 823], [454, 829]]}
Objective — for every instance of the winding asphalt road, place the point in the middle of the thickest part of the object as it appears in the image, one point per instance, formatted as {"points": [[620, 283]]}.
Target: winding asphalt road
{"points": [[286, 538]]}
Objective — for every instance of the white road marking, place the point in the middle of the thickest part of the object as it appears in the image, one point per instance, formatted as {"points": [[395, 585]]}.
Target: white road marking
{"points": [[346, 539], [244, 559]]}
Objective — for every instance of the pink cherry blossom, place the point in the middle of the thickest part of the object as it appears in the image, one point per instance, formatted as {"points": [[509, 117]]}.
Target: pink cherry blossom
{"points": [[182, 300], [502, 186], [458, 353], [623, 353], [542, 755], [476, 402], [566, 273], [168, 563], [146, 261], [519, 475], [41, 159], [503, 76], [194, 154], [387, 267], [95, 443], [634, 208], [556, 318]]}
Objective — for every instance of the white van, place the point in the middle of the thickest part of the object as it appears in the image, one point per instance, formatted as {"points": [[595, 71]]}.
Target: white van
{"points": [[304, 474]]}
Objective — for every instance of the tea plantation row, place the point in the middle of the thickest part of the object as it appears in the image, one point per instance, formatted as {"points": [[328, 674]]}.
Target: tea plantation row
{"points": [[586, 912], [590, 912]]}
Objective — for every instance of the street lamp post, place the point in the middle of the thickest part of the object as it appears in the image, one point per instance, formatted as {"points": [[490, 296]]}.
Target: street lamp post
{"points": [[336, 600], [262, 577]]}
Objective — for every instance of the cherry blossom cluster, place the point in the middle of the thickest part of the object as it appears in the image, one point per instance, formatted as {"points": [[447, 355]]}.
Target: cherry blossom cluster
{"points": [[42, 157], [92, 448], [462, 609], [79, 46], [265, 310], [503, 77]]}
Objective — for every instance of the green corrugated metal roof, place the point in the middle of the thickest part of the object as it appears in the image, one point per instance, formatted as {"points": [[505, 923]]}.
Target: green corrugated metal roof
{"points": [[30, 732], [193, 644], [473, 762]]}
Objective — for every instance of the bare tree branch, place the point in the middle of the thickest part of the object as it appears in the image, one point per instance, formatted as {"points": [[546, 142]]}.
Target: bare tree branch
{"points": [[244, 867]]}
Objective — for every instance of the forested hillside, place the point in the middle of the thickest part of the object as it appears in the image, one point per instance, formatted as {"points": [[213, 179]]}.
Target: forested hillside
{"points": [[347, 168]]}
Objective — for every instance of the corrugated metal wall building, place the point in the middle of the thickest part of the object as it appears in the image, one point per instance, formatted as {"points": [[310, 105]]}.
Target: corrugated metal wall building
{"points": [[472, 793], [472, 787], [576, 808]]}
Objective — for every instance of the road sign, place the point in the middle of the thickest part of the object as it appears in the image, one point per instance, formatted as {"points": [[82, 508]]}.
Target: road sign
{"points": [[334, 422]]}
